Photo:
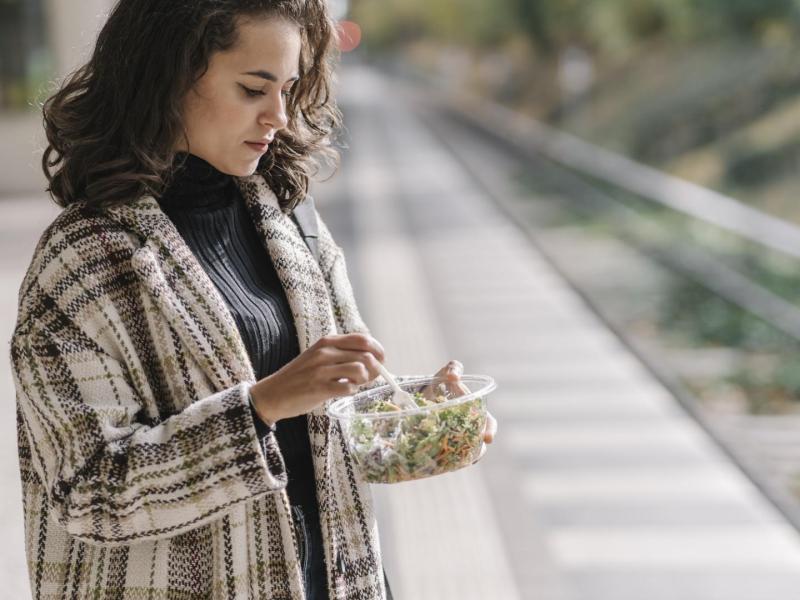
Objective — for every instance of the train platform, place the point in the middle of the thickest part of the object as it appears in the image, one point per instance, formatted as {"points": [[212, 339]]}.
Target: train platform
{"points": [[599, 485]]}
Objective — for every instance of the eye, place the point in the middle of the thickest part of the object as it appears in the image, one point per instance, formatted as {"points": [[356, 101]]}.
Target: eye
{"points": [[251, 93], [288, 92]]}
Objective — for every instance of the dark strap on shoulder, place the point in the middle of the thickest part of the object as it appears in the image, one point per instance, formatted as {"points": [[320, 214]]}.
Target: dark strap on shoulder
{"points": [[305, 216]]}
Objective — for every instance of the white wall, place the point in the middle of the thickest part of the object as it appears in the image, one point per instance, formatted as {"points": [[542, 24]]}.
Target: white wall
{"points": [[72, 27]]}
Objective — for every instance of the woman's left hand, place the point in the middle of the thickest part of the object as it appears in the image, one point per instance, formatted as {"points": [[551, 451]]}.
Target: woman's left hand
{"points": [[451, 373]]}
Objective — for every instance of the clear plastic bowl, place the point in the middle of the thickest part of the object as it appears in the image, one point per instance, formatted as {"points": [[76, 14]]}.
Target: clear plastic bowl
{"points": [[408, 444]]}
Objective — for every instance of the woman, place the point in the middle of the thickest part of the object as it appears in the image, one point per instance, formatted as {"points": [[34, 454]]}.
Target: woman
{"points": [[187, 316]]}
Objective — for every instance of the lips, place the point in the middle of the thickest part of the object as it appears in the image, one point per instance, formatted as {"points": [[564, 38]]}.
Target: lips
{"points": [[258, 146]]}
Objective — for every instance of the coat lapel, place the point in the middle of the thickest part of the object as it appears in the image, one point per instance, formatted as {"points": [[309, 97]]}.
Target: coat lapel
{"points": [[181, 289], [297, 268]]}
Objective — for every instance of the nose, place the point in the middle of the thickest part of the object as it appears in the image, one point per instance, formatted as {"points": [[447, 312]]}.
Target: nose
{"points": [[274, 113]]}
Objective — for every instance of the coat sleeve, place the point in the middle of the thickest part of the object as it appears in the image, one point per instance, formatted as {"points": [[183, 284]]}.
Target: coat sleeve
{"points": [[111, 476]]}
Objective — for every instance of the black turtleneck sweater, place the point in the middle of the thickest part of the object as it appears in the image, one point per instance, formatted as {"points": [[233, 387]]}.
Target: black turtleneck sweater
{"points": [[209, 212]]}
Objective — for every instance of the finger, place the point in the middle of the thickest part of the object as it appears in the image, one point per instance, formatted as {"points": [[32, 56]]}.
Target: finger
{"points": [[438, 387], [342, 387], [449, 391], [450, 374], [443, 385], [458, 389], [355, 372], [452, 370], [369, 360], [358, 342], [490, 431]]}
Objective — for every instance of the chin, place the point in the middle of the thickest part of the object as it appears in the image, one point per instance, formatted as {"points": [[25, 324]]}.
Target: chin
{"points": [[247, 172], [242, 169], [251, 168]]}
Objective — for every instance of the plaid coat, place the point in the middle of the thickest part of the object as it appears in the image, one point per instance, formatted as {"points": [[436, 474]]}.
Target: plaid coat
{"points": [[141, 470]]}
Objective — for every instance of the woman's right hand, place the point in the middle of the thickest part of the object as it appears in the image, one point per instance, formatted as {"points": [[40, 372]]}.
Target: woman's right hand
{"points": [[336, 365]]}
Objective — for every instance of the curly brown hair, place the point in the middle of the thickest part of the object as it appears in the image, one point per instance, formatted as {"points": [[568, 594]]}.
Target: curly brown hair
{"points": [[113, 123]]}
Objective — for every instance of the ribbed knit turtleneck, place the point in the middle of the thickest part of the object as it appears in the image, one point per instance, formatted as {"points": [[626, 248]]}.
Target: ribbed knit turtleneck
{"points": [[209, 212], [197, 186]]}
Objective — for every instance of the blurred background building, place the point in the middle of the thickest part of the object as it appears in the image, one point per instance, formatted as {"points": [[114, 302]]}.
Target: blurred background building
{"points": [[595, 202], [40, 40]]}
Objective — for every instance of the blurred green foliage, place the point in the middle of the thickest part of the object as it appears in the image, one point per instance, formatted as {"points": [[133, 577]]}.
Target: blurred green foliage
{"points": [[551, 24], [391, 22], [712, 321]]}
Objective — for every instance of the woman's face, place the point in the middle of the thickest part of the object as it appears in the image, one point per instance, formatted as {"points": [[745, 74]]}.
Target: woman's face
{"points": [[238, 105]]}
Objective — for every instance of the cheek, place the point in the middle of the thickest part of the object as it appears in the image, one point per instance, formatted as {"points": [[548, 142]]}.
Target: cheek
{"points": [[233, 116], [215, 117]]}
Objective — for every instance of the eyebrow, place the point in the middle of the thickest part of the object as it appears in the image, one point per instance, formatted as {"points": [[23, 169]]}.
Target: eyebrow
{"points": [[268, 76]]}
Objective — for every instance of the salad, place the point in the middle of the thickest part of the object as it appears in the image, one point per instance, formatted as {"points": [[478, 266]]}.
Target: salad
{"points": [[391, 449]]}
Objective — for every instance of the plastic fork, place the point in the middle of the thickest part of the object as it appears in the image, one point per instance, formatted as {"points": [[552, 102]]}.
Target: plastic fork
{"points": [[400, 397]]}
